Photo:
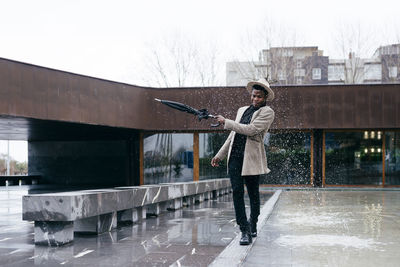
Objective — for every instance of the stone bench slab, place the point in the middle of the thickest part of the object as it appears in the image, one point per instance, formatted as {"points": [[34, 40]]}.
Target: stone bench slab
{"points": [[58, 215]]}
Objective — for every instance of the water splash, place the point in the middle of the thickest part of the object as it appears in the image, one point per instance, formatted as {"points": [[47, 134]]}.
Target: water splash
{"points": [[295, 241], [308, 219]]}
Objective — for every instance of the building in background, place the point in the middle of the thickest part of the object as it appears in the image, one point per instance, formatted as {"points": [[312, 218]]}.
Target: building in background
{"points": [[295, 65], [389, 56], [308, 65]]}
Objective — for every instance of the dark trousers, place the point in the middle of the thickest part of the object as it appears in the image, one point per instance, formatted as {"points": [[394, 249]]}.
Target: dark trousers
{"points": [[252, 184]]}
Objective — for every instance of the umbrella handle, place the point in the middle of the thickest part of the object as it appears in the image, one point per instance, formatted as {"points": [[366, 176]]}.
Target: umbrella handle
{"points": [[214, 124]]}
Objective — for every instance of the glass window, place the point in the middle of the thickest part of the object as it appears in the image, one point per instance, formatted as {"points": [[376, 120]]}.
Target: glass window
{"points": [[168, 157], [281, 75], [336, 72], [287, 53], [353, 158], [316, 74], [13, 157], [392, 158], [373, 72], [299, 72], [393, 72], [209, 145], [289, 158]]}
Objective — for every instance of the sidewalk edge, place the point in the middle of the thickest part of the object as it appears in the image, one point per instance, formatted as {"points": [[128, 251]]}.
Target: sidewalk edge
{"points": [[234, 254]]}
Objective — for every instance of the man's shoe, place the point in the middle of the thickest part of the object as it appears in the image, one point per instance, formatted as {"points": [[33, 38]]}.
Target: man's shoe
{"points": [[246, 239], [253, 229]]}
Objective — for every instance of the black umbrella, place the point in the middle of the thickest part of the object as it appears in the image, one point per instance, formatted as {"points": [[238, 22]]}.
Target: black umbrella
{"points": [[200, 113]]}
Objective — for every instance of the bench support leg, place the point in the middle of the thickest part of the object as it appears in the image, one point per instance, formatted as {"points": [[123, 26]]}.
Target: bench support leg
{"points": [[188, 201], [163, 206], [97, 224], [153, 210], [129, 216], [199, 198], [53, 233], [175, 204]]}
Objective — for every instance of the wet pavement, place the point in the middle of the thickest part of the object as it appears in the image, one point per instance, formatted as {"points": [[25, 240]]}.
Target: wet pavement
{"points": [[192, 236], [305, 228], [330, 228]]}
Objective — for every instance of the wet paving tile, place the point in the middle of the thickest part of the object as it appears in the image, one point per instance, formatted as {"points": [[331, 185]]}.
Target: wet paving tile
{"points": [[191, 236], [330, 228]]}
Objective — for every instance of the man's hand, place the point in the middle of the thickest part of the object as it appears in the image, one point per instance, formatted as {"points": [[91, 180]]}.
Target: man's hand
{"points": [[220, 119], [215, 162]]}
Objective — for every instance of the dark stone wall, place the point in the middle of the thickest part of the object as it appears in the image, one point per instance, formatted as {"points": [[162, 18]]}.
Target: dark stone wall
{"points": [[91, 163]]}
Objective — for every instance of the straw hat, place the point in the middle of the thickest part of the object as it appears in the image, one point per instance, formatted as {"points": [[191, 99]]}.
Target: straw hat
{"points": [[265, 85]]}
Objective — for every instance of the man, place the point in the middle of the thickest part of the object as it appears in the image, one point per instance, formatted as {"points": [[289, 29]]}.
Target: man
{"points": [[246, 154]]}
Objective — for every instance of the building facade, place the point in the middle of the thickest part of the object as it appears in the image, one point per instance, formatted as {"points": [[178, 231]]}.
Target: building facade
{"points": [[88, 131], [307, 65], [390, 58]]}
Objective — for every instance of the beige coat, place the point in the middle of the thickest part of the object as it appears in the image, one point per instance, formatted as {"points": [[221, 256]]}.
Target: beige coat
{"points": [[255, 160]]}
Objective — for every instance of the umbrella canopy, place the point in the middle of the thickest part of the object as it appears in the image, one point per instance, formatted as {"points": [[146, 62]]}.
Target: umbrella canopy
{"points": [[200, 113]]}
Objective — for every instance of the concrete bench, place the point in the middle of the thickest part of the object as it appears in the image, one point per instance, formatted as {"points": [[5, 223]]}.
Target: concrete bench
{"points": [[58, 215]]}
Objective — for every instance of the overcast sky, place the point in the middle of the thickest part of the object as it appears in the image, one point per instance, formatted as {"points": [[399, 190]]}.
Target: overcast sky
{"points": [[108, 39]]}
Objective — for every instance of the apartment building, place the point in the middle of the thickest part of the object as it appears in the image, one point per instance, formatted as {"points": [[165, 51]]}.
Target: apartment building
{"points": [[308, 65]]}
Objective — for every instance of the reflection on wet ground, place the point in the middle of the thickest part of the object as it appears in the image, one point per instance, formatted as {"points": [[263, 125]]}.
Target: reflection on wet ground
{"points": [[192, 236], [330, 228]]}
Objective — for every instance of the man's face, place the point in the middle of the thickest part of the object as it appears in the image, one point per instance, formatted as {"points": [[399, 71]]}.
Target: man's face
{"points": [[258, 98]]}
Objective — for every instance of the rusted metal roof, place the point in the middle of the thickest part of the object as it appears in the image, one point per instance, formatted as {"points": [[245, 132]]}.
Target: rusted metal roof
{"points": [[33, 92]]}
